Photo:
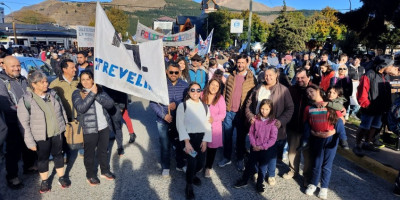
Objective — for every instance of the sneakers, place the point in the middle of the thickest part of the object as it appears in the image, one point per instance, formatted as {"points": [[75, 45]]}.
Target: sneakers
{"points": [[240, 183], [260, 188], [108, 176], [121, 151], [289, 175], [323, 193], [15, 183], [196, 181], [93, 181], [165, 173], [370, 147], [310, 189], [182, 169], [240, 165], [271, 181], [344, 144], [358, 151], [189, 191], [64, 182], [44, 187], [378, 144], [224, 162], [207, 173], [132, 138]]}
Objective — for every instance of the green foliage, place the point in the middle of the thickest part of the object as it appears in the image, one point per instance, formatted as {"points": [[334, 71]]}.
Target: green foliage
{"points": [[119, 19], [259, 29], [391, 38], [325, 24], [288, 33], [32, 17]]}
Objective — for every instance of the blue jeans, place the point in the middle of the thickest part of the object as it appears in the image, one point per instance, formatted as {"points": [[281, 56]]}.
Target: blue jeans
{"points": [[166, 138], [232, 121], [272, 156], [323, 150], [164, 144]]}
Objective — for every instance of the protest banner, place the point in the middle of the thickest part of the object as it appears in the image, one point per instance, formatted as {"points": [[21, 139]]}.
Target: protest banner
{"points": [[140, 72], [144, 34], [205, 46], [85, 36]]}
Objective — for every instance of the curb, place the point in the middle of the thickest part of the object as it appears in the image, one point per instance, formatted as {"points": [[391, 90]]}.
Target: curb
{"points": [[387, 173]]}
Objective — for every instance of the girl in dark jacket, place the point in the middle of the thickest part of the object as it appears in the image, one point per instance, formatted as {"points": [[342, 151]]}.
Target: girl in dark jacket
{"points": [[92, 104]]}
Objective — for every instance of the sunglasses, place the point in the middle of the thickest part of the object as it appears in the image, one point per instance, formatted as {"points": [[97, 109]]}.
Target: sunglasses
{"points": [[196, 60], [174, 72], [195, 90], [344, 69]]}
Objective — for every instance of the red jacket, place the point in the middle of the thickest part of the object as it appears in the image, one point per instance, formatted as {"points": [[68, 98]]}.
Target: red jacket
{"points": [[326, 81]]}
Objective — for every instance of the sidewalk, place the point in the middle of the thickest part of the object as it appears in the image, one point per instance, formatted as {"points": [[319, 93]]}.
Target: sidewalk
{"points": [[385, 163]]}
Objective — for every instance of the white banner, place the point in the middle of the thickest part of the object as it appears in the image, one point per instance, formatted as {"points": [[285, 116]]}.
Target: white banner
{"points": [[187, 38], [85, 36], [163, 25], [140, 72], [236, 25], [205, 46]]}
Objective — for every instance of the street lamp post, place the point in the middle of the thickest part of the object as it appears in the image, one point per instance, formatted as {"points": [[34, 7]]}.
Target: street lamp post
{"points": [[249, 30], [13, 23]]}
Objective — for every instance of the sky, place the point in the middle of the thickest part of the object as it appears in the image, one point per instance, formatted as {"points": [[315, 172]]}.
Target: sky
{"points": [[341, 5]]}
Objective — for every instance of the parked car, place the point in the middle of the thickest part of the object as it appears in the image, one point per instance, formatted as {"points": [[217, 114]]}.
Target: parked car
{"points": [[30, 63]]}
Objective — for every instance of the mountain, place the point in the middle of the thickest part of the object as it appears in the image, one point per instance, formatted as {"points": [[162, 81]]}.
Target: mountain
{"points": [[245, 4]]}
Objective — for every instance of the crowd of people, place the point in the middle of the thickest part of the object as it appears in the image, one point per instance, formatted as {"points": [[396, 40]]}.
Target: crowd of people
{"points": [[290, 106]]}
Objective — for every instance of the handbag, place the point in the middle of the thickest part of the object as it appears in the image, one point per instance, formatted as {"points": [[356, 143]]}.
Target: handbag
{"points": [[74, 133]]}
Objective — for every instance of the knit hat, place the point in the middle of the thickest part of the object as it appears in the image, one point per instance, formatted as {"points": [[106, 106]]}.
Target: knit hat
{"points": [[383, 61]]}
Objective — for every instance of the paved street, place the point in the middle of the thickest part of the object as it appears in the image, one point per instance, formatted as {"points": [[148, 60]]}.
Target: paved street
{"points": [[138, 176]]}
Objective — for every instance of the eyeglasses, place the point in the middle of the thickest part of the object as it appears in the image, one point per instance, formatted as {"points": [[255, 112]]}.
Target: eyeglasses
{"points": [[174, 72], [344, 69], [195, 90]]}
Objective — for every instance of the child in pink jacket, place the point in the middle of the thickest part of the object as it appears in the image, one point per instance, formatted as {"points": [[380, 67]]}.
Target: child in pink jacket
{"points": [[262, 135]]}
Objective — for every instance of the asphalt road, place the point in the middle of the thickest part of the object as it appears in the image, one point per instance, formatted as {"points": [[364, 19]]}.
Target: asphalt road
{"points": [[138, 175]]}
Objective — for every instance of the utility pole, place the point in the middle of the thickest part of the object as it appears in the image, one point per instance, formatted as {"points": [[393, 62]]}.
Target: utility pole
{"points": [[249, 30]]}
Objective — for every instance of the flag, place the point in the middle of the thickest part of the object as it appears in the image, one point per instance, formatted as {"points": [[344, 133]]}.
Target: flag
{"points": [[205, 46], [139, 71]]}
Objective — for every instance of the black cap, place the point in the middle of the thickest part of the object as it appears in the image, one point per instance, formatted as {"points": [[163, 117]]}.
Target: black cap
{"points": [[383, 61], [196, 57]]}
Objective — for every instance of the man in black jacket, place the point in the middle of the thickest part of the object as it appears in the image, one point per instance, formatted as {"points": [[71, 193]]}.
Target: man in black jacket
{"points": [[12, 88]]}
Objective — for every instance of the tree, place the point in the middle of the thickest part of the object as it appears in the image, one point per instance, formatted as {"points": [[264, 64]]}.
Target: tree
{"points": [[118, 19], [32, 17], [220, 21], [326, 24], [391, 38], [369, 21], [259, 29], [288, 33]]}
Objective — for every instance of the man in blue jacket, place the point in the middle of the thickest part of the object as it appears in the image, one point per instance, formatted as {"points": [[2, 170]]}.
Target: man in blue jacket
{"points": [[196, 73], [166, 119]]}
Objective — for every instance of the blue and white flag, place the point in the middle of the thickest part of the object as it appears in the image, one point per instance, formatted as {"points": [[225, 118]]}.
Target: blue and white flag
{"points": [[139, 71], [205, 46]]}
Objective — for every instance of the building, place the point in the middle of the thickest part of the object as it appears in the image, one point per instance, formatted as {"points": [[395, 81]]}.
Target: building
{"points": [[38, 35]]}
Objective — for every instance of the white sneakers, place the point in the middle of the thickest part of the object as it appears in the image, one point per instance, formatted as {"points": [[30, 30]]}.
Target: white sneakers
{"points": [[310, 189], [165, 173], [271, 181], [323, 192]]}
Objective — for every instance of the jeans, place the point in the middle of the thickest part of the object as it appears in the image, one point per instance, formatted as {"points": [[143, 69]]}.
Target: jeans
{"points": [[272, 156], [167, 136], [232, 121], [256, 157], [96, 144]]}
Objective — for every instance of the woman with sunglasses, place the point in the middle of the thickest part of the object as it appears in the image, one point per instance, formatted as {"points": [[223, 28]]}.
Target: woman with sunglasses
{"points": [[342, 79], [213, 98], [194, 128], [91, 104]]}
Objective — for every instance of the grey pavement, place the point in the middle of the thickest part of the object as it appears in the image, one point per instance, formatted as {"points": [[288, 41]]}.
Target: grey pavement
{"points": [[138, 175]]}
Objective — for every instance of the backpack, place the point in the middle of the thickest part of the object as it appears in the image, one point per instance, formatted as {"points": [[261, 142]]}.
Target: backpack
{"points": [[205, 107], [393, 118], [8, 86]]}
